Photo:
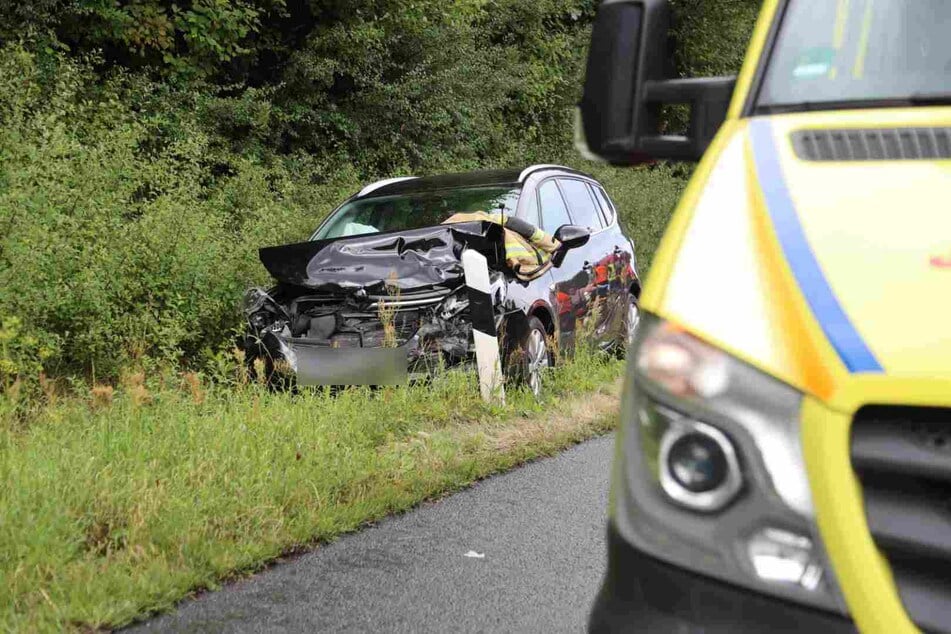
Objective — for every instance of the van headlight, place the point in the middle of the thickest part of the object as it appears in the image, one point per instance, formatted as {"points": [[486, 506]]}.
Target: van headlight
{"points": [[711, 475], [697, 463]]}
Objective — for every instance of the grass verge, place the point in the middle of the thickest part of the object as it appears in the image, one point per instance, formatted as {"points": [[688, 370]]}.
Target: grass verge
{"points": [[120, 504]]}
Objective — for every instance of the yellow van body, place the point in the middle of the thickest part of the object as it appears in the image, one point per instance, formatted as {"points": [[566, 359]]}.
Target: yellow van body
{"points": [[759, 241]]}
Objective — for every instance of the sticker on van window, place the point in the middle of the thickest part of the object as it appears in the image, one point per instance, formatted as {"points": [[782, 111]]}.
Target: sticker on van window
{"points": [[815, 62]]}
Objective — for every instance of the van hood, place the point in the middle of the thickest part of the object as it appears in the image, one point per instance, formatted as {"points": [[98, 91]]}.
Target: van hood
{"points": [[880, 234], [406, 260], [808, 260]]}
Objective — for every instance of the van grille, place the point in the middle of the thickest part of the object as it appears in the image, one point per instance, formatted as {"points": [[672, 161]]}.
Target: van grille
{"points": [[902, 456], [875, 144]]}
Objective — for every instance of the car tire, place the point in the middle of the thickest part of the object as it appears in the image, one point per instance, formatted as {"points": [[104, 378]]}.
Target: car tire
{"points": [[528, 356], [632, 319]]}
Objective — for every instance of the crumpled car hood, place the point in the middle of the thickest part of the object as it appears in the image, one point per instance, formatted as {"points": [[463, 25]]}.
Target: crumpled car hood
{"points": [[405, 260]]}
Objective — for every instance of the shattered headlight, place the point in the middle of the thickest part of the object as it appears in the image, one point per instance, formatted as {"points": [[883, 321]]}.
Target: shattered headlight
{"points": [[262, 311], [712, 476], [255, 299]]}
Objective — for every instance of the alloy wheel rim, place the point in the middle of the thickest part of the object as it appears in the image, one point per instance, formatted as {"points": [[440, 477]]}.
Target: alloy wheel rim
{"points": [[633, 319], [537, 360]]}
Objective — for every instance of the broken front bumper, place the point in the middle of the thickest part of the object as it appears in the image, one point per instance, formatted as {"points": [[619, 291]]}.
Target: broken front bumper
{"points": [[321, 365], [310, 363]]}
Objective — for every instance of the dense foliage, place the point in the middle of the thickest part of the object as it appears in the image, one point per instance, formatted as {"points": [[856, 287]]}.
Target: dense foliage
{"points": [[148, 147], [384, 83], [711, 35]]}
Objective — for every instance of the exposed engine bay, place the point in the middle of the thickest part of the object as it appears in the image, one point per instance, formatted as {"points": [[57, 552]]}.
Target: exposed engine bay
{"points": [[384, 306]]}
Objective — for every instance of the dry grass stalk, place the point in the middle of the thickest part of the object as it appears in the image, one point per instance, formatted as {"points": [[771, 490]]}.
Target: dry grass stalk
{"points": [[48, 386], [102, 396], [140, 395], [260, 369], [193, 384], [386, 311], [576, 414], [240, 368]]}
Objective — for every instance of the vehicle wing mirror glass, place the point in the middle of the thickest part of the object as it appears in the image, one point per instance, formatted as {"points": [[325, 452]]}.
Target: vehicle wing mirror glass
{"points": [[570, 237], [628, 82]]}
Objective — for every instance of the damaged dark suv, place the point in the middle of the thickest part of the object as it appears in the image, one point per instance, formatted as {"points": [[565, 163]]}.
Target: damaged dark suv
{"points": [[378, 294]]}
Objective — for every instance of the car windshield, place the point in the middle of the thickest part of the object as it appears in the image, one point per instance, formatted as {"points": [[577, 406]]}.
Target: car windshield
{"points": [[415, 210], [829, 52]]}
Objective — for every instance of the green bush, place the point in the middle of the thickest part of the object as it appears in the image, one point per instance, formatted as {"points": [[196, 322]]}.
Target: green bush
{"points": [[712, 35], [181, 38], [127, 234]]}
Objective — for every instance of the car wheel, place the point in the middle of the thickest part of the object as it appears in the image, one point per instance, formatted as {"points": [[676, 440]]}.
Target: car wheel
{"points": [[530, 357], [631, 320]]}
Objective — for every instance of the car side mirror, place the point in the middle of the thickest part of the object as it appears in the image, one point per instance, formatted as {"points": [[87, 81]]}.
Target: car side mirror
{"points": [[627, 83], [570, 237]]}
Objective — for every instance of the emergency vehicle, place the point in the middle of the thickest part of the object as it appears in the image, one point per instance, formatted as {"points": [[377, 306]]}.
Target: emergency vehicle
{"points": [[784, 454]]}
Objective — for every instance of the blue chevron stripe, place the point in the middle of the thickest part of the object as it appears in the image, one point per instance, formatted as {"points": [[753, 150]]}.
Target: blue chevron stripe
{"points": [[822, 301]]}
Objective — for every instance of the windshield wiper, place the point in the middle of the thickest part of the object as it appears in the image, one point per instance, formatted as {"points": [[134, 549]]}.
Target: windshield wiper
{"points": [[930, 99], [817, 106], [918, 99]]}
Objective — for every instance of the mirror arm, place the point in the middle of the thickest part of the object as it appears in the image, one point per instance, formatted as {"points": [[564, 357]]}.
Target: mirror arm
{"points": [[708, 98], [688, 89]]}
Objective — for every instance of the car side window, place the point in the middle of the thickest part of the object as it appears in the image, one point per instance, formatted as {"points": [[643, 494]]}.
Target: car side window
{"points": [[606, 205], [582, 205], [529, 207], [554, 210], [603, 213]]}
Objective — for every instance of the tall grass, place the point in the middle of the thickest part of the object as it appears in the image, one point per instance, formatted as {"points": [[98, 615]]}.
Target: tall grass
{"points": [[121, 502]]}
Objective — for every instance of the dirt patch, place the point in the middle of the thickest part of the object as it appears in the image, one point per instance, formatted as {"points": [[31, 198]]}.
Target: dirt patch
{"points": [[585, 415]]}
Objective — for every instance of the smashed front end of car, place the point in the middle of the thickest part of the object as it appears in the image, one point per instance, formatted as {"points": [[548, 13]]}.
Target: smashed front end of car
{"points": [[372, 309]]}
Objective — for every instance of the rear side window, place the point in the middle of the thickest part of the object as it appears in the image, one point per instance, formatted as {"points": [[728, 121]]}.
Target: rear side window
{"points": [[583, 208], [554, 211], [606, 205]]}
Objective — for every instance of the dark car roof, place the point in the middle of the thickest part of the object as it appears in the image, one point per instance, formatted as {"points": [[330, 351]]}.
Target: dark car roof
{"points": [[480, 178]]}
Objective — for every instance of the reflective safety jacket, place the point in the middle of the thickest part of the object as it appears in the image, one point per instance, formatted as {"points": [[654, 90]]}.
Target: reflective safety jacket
{"points": [[528, 249]]}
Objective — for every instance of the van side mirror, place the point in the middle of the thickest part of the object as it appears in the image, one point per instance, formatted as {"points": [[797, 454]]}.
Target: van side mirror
{"points": [[570, 237], [628, 81]]}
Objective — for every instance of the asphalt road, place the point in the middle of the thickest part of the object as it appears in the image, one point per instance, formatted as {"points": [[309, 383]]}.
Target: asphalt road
{"points": [[539, 527]]}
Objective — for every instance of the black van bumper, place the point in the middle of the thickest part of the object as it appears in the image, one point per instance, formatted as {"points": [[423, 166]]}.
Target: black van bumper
{"points": [[642, 594]]}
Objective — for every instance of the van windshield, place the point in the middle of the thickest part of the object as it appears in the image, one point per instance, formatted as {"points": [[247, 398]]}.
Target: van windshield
{"points": [[830, 53], [415, 210]]}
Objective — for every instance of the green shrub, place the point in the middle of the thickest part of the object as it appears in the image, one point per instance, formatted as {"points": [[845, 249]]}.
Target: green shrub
{"points": [[712, 35], [127, 234]]}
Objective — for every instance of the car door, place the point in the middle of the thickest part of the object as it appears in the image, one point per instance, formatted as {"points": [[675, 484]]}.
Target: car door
{"points": [[600, 258], [624, 277], [572, 279]]}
